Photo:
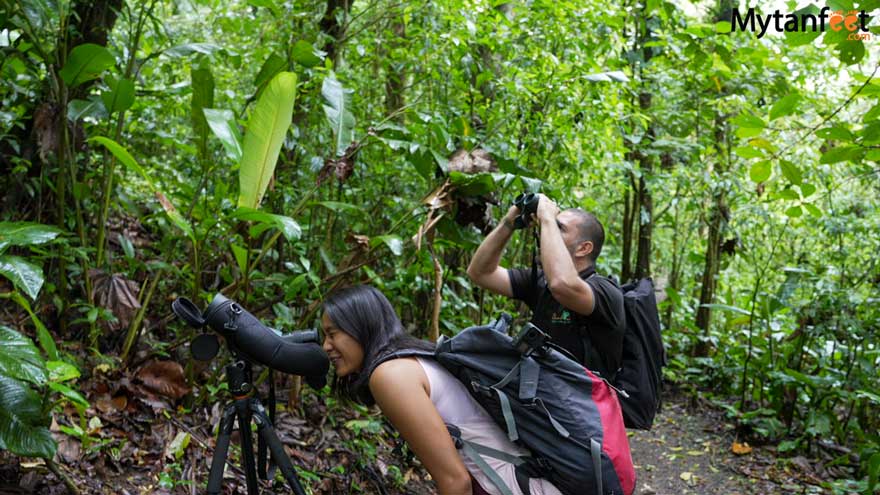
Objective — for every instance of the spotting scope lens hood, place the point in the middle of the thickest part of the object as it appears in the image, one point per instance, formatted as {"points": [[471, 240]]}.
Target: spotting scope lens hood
{"points": [[298, 353]]}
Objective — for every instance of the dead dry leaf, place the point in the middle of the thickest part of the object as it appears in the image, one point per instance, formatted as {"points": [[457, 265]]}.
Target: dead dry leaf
{"points": [[117, 294], [476, 161], [740, 448], [164, 378]]}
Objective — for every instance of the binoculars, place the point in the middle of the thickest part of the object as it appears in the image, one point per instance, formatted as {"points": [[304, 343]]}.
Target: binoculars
{"points": [[528, 206]]}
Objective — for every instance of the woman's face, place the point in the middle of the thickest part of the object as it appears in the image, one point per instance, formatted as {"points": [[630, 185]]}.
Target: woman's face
{"points": [[344, 351]]}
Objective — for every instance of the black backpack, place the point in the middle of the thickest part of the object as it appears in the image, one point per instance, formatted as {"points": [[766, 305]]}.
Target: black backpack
{"points": [[566, 416], [640, 375]]}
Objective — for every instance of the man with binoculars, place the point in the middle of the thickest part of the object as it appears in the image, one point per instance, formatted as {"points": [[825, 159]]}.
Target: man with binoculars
{"points": [[583, 312]]}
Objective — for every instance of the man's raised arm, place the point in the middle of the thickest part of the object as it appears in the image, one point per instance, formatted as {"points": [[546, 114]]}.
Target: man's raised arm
{"points": [[483, 269]]}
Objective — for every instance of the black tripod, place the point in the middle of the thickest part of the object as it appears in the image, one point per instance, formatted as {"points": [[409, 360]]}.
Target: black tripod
{"points": [[247, 408]]}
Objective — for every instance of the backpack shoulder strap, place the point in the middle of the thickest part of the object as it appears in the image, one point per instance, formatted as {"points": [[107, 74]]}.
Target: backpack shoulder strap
{"points": [[475, 451]]}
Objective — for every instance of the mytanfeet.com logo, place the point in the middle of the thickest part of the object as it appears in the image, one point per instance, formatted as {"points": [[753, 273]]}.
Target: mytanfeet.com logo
{"points": [[854, 21]]}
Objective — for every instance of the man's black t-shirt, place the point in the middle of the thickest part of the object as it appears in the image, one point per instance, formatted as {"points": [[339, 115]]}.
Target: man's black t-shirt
{"points": [[595, 339]]}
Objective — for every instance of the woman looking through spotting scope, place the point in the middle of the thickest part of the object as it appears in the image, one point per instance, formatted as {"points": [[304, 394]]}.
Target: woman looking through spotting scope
{"points": [[418, 395]]}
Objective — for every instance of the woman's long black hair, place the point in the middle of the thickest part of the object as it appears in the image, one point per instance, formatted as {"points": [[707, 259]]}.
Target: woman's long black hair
{"points": [[365, 314]]}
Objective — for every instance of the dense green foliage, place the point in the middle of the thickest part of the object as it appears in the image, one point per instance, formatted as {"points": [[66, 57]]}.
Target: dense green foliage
{"points": [[742, 174]]}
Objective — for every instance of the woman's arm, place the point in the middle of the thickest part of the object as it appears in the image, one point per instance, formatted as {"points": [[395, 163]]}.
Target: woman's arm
{"points": [[401, 390]]}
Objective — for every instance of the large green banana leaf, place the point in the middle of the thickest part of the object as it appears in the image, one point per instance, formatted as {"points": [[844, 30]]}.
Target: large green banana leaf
{"points": [[265, 133]]}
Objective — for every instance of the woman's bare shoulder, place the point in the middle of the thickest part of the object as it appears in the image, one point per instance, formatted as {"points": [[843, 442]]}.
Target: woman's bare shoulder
{"points": [[397, 372]]}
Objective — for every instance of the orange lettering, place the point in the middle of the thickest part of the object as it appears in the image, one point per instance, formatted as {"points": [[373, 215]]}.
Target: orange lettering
{"points": [[851, 22], [835, 21]]}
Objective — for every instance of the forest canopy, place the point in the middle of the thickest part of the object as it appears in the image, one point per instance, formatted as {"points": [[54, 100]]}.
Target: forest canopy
{"points": [[277, 150]]}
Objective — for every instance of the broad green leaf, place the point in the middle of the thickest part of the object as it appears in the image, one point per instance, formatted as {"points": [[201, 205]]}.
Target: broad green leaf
{"points": [[399, 144], [794, 211], [791, 172], [872, 114], [70, 394], [191, 48], [839, 154], [748, 125], [800, 377], [748, 152], [222, 123], [763, 144], [175, 216], [441, 160], [272, 5], [789, 194], [339, 206], [178, 446], [25, 276], [749, 120], [394, 243], [747, 132], [123, 156], [43, 336], [819, 423], [93, 107], [59, 371], [723, 27], [338, 112], [42, 14], [120, 97], [328, 262], [241, 257], [616, 76], [86, 62], [799, 38], [472, 184], [305, 54], [851, 51], [270, 68], [873, 471], [807, 189], [20, 358], [202, 98], [787, 445], [871, 134], [725, 307], [836, 132], [531, 185], [760, 171], [288, 226], [25, 234], [785, 106], [22, 431], [267, 126], [812, 210]]}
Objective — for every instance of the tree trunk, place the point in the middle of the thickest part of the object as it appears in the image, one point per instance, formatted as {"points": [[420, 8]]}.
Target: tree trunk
{"points": [[334, 30], [718, 218], [395, 79], [646, 201], [629, 200], [642, 207]]}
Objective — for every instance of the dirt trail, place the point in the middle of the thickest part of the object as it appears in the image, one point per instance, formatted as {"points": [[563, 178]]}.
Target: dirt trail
{"points": [[689, 452]]}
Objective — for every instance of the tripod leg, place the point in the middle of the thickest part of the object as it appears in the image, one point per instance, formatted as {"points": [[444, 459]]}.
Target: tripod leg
{"points": [[247, 444], [267, 432], [215, 476]]}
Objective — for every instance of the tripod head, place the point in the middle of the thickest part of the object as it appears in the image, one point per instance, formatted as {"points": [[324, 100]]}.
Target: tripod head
{"points": [[297, 353]]}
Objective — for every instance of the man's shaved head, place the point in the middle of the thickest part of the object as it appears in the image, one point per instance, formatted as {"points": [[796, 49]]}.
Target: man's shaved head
{"points": [[589, 229]]}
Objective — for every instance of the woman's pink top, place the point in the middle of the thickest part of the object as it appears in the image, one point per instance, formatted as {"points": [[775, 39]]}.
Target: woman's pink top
{"points": [[457, 407]]}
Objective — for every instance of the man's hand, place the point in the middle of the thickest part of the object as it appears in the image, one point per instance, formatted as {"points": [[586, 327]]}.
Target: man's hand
{"points": [[547, 209], [510, 217]]}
